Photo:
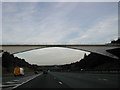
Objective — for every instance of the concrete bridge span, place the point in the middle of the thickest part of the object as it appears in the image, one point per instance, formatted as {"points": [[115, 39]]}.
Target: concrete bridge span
{"points": [[99, 49]]}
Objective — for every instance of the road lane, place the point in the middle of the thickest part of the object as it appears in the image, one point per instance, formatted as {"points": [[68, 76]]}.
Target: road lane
{"points": [[6, 79], [16, 81], [87, 80], [44, 81], [73, 80]]}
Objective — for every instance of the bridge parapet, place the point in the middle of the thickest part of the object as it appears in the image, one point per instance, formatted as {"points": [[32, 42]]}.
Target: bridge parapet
{"points": [[96, 48]]}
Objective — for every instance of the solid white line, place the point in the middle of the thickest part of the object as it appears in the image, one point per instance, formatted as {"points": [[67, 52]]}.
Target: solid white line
{"points": [[2, 86], [27, 81]]}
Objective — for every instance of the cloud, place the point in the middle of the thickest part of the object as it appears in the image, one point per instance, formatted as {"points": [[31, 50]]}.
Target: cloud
{"points": [[52, 56], [61, 0], [45, 23], [41, 23], [103, 31], [27, 29]]}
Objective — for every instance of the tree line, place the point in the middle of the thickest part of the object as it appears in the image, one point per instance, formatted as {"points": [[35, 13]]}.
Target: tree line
{"points": [[9, 62], [91, 62], [97, 62]]}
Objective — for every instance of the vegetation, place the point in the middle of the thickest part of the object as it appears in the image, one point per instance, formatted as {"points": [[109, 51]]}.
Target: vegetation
{"points": [[9, 62], [96, 62], [116, 41], [92, 62]]}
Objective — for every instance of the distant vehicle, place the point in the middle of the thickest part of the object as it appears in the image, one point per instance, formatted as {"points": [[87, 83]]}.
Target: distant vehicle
{"points": [[36, 72], [45, 72], [18, 71]]}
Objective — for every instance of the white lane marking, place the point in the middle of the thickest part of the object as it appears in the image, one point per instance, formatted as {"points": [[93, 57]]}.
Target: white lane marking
{"points": [[60, 82], [26, 81], [10, 82], [15, 80], [3, 86], [103, 79]]}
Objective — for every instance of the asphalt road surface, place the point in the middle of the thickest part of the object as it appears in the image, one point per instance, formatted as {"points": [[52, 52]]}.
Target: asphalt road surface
{"points": [[72, 80], [5, 79], [44, 81]]}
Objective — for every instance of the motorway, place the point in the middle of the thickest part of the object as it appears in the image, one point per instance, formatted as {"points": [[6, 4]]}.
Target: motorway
{"points": [[44, 81], [71, 80], [10, 78]]}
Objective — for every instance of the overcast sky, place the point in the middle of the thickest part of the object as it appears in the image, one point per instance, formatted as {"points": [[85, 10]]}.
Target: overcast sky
{"points": [[38, 23], [58, 23]]}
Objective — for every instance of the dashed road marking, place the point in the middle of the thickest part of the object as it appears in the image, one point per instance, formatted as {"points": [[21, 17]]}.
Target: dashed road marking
{"points": [[60, 82], [15, 80], [103, 79]]}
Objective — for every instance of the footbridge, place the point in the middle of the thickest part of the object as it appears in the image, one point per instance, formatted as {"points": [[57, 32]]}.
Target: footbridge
{"points": [[99, 49]]}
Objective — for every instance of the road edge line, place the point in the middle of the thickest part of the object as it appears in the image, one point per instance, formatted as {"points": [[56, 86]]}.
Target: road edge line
{"points": [[27, 81]]}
